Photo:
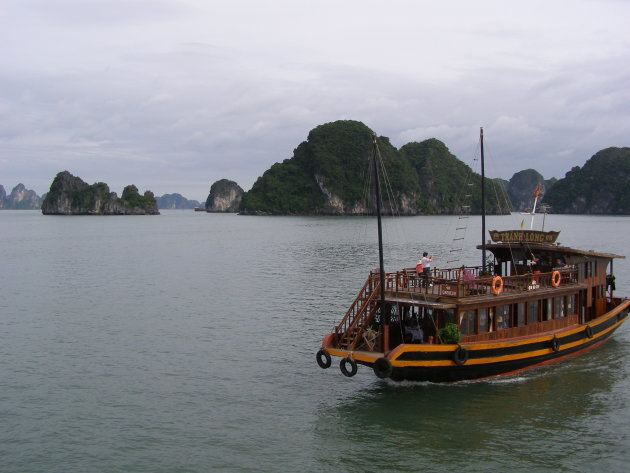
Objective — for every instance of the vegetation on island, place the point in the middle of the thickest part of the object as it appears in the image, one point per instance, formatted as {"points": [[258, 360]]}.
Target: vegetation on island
{"points": [[600, 187], [330, 173], [70, 195]]}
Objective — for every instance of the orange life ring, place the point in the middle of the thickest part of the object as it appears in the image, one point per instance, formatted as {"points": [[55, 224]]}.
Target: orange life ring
{"points": [[497, 285], [555, 278]]}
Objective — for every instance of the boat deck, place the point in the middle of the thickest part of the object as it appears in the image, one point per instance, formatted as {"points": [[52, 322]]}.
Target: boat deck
{"points": [[447, 288]]}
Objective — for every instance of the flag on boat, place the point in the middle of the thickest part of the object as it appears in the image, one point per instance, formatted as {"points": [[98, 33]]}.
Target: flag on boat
{"points": [[537, 191]]}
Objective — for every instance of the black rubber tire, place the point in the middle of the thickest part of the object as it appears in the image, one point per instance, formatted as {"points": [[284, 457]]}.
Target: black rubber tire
{"points": [[460, 356], [353, 366], [323, 359], [588, 331], [382, 368], [555, 344]]}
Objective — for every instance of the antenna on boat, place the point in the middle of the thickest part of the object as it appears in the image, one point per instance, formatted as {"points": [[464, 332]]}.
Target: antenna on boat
{"points": [[376, 155], [483, 207]]}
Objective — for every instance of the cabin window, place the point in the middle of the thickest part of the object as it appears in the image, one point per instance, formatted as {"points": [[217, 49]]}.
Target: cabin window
{"points": [[546, 309], [503, 316], [394, 314], [570, 305], [600, 292], [532, 312], [467, 322], [520, 313], [585, 270], [483, 320], [558, 307]]}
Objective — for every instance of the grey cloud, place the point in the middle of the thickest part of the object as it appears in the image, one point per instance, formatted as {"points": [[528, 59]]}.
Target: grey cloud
{"points": [[184, 110]]}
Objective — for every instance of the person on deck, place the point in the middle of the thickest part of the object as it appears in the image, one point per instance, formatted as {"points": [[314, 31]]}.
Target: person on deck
{"points": [[426, 268], [466, 274]]}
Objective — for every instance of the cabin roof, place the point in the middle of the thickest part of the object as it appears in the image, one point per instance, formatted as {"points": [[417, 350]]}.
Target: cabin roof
{"points": [[538, 248]]}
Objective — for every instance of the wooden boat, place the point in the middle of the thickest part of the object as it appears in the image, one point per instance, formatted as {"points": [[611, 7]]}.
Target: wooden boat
{"points": [[537, 303]]}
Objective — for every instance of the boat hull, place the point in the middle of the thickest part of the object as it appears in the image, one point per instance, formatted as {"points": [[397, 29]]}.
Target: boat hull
{"points": [[450, 363]]}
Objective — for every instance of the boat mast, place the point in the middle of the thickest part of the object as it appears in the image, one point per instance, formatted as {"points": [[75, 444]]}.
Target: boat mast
{"points": [[376, 156], [536, 194], [483, 207]]}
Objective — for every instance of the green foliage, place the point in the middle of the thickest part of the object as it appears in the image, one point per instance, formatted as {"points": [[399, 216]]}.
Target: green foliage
{"points": [[93, 199], [449, 334], [445, 181], [335, 161], [132, 199], [283, 189], [601, 186]]}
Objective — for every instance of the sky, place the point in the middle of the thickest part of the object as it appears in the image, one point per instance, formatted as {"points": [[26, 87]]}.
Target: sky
{"points": [[173, 95]]}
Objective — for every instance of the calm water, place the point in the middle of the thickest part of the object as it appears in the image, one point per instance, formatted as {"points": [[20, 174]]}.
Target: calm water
{"points": [[186, 343]]}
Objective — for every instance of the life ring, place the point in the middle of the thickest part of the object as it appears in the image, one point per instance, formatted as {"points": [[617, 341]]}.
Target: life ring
{"points": [[460, 355], [382, 368], [401, 280], [555, 278], [497, 285], [555, 344], [353, 367], [589, 331], [323, 359]]}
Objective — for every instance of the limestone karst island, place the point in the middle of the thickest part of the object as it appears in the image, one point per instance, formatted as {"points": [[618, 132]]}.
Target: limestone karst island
{"points": [[324, 177], [70, 195]]}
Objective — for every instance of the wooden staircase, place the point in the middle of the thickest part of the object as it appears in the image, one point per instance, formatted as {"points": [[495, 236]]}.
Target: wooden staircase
{"points": [[360, 315]]}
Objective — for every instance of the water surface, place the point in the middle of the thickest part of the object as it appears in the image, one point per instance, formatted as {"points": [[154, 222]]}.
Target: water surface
{"points": [[186, 342]]}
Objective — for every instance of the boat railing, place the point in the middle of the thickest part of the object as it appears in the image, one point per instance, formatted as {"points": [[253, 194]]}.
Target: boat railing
{"points": [[458, 282]]}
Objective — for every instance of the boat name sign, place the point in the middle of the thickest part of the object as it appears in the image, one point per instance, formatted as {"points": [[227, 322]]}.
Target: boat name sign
{"points": [[448, 290], [524, 236]]}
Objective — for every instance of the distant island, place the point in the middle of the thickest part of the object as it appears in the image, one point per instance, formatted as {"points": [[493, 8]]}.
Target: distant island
{"points": [[602, 186], [20, 198], [325, 177], [225, 196], [70, 195], [176, 201]]}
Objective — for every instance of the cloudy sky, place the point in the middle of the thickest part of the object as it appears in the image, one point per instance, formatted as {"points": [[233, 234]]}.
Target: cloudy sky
{"points": [[172, 95]]}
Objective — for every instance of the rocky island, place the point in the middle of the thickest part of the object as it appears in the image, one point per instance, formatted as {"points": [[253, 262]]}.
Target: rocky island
{"points": [[225, 196], [70, 195], [325, 177], [20, 198]]}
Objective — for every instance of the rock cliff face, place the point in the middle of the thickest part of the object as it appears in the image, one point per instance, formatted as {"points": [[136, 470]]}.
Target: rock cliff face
{"points": [[522, 186], [20, 198], [225, 196], [69, 195]]}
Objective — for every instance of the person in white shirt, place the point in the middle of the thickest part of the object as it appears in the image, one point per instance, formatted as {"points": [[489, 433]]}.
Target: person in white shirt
{"points": [[426, 268]]}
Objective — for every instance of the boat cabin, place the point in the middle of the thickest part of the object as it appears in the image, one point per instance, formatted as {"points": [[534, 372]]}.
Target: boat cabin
{"points": [[528, 289]]}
